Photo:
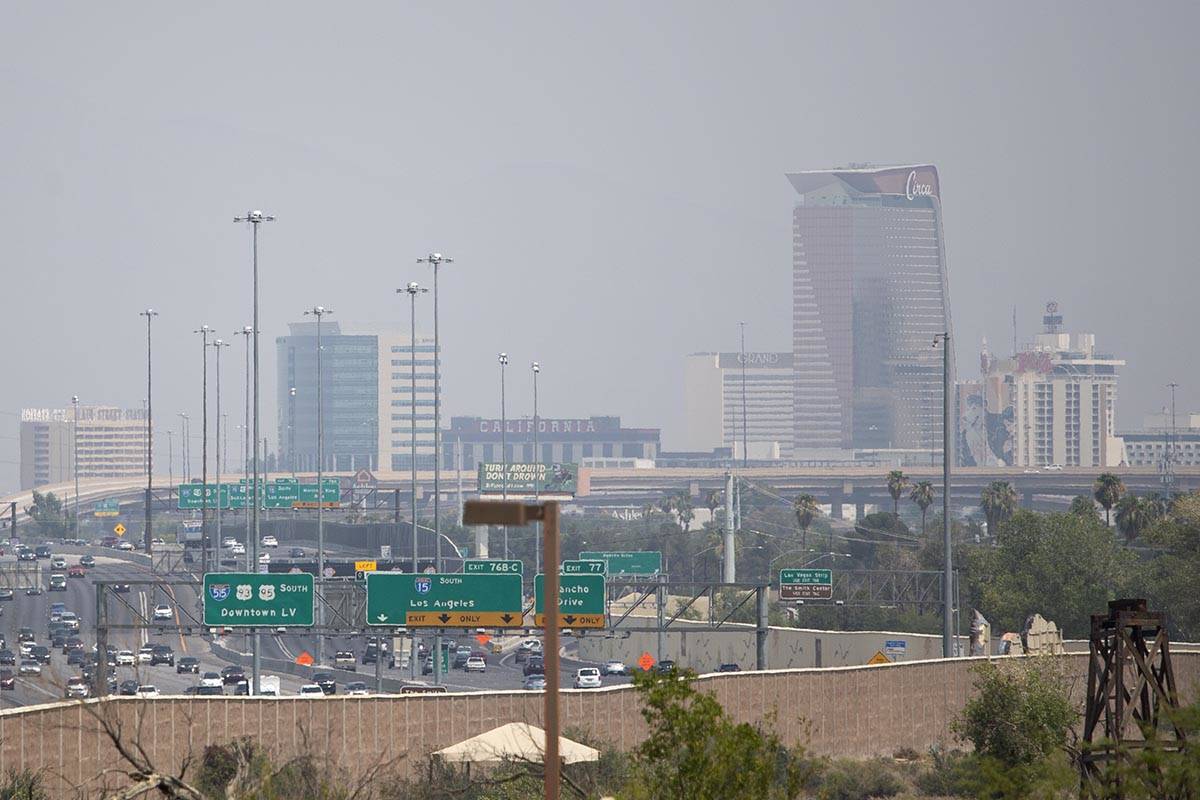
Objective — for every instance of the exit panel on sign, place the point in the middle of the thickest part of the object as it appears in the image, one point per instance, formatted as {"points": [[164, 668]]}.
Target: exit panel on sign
{"points": [[462, 619]]}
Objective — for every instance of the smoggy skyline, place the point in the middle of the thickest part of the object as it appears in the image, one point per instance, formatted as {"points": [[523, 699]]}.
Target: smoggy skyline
{"points": [[610, 181]]}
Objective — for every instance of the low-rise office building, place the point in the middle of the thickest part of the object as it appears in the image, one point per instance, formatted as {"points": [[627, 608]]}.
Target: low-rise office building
{"points": [[111, 443]]}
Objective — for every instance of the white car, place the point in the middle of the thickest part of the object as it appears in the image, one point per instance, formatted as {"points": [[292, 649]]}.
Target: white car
{"points": [[162, 611], [264, 558], [238, 549], [123, 545], [157, 541], [146, 690], [311, 690], [58, 562], [614, 667], [475, 664], [270, 541], [70, 619], [1055, 468], [125, 658], [144, 654], [229, 541], [211, 679], [587, 678]]}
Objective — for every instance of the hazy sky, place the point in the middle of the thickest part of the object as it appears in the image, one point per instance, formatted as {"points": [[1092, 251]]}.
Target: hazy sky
{"points": [[609, 178]]}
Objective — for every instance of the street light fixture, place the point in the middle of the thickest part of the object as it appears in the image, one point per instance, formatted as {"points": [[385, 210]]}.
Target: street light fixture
{"points": [[537, 472], [319, 312], [149, 314], [255, 219], [218, 345], [947, 449], [413, 289], [75, 456], [205, 544], [435, 260], [503, 358]]}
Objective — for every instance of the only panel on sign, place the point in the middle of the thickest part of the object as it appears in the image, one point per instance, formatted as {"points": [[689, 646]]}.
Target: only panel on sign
{"points": [[573, 620]]}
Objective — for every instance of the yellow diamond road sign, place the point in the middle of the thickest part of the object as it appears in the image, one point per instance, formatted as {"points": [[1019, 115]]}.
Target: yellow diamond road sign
{"points": [[119, 529], [879, 658]]}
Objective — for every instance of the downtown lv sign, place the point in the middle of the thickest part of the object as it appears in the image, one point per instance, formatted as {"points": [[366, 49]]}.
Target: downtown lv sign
{"points": [[248, 599]]}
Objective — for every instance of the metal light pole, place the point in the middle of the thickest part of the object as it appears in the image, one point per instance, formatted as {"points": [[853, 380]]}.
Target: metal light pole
{"points": [[75, 456], [947, 449], [504, 442], [183, 446], [413, 289], [205, 544], [149, 314], [170, 459], [292, 429], [255, 218], [435, 260], [217, 345], [537, 473], [245, 332], [319, 312], [745, 429]]}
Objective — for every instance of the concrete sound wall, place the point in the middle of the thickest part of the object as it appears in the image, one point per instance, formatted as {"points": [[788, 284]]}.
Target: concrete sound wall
{"points": [[858, 712], [703, 650]]}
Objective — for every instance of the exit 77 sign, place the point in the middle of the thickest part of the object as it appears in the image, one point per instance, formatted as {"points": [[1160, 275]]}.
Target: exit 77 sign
{"points": [[580, 601]]}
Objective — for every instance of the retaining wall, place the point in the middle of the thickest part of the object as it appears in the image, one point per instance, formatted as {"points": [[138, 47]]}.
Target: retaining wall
{"points": [[854, 711]]}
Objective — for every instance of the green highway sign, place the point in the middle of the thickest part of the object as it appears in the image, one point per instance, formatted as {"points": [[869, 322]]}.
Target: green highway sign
{"points": [[306, 494], [805, 584], [439, 600], [493, 565], [110, 507], [196, 496], [247, 599], [580, 601], [285, 480], [583, 567], [636, 562], [529, 478]]}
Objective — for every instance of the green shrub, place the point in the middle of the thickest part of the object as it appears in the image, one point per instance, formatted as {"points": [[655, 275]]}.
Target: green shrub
{"points": [[848, 779], [22, 785], [1020, 713]]}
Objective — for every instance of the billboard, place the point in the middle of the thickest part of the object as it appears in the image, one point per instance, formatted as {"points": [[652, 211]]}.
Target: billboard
{"points": [[528, 478]]}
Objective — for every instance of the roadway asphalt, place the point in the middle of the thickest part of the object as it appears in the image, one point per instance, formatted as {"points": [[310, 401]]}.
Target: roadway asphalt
{"points": [[503, 673]]}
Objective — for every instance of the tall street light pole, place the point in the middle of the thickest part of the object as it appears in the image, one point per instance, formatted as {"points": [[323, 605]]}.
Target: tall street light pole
{"points": [[292, 429], [745, 436], [149, 314], [947, 451], [503, 358], [245, 333], [537, 473], [183, 446], [435, 260], [255, 218], [205, 544], [217, 346], [75, 456], [413, 289], [319, 312]]}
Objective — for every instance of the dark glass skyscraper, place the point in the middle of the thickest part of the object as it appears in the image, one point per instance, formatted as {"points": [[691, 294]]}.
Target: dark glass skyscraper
{"points": [[869, 292]]}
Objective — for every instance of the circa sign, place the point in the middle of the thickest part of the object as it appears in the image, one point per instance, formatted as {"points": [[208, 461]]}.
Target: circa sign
{"points": [[913, 189]]}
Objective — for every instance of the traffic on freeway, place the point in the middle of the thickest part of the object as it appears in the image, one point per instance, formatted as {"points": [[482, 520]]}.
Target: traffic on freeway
{"points": [[48, 641]]}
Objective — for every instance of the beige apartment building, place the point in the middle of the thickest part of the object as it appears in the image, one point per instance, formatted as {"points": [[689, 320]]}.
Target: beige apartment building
{"points": [[111, 443]]}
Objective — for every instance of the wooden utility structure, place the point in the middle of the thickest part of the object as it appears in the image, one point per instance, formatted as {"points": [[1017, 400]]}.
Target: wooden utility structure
{"points": [[1130, 691]]}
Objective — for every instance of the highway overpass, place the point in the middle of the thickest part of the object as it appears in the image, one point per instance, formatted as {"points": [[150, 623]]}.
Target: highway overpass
{"points": [[610, 489]]}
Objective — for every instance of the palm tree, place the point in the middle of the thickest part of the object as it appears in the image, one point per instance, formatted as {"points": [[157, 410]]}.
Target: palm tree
{"points": [[897, 481], [998, 501], [712, 501], [684, 510], [1134, 515], [1084, 506], [922, 495], [806, 509], [1108, 490]]}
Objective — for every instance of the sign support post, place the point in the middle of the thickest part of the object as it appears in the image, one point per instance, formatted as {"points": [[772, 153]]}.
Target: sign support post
{"points": [[484, 512]]}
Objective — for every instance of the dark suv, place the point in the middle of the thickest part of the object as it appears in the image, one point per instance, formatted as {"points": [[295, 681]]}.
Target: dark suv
{"points": [[534, 666], [161, 654]]}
